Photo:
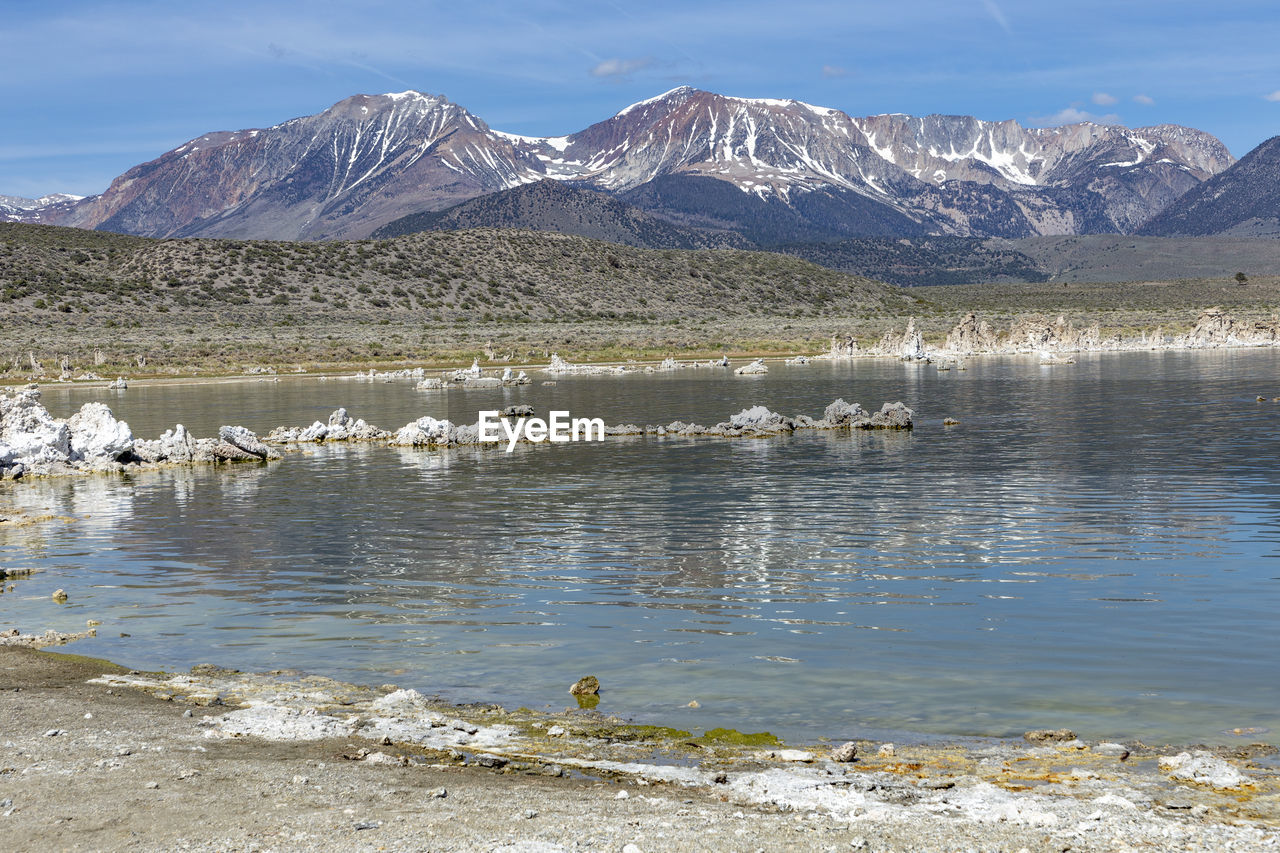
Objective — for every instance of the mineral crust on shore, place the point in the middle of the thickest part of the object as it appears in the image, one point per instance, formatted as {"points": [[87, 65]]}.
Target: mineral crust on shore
{"points": [[1214, 328]]}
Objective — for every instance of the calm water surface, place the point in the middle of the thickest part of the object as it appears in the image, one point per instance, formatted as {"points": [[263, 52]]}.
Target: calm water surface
{"points": [[1095, 546]]}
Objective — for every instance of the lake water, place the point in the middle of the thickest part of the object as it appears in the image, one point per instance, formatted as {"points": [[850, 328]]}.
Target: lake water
{"points": [[1095, 546]]}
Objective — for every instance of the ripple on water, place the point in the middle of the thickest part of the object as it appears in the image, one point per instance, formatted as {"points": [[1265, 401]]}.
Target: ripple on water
{"points": [[1092, 548]]}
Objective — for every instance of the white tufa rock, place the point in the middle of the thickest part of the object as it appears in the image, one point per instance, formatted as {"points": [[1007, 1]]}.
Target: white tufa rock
{"points": [[559, 366], [176, 445], [34, 437], [756, 417], [1203, 768], [316, 432], [96, 434], [425, 430], [755, 368], [246, 440]]}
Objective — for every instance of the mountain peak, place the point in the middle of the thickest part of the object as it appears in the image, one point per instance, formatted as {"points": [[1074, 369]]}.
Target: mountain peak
{"points": [[372, 158], [678, 93]]}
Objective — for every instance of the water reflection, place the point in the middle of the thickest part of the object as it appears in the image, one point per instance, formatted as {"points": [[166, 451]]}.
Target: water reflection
{"points": [[1091, 548]]}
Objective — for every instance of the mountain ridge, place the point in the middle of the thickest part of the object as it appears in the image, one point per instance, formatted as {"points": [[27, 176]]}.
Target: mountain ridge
{"points": [[371, 159], [1243, 201]]}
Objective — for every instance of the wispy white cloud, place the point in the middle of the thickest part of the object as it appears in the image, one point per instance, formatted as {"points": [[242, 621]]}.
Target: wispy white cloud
{"points": [[619, 67], [1102, 99], [834, 71], [1273, 96], [1145, 100], [997, 14], [1073, 115]]}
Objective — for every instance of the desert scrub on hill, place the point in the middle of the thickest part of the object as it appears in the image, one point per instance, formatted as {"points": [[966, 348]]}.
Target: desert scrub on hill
{"points": [[119, 305], [480, 275]]}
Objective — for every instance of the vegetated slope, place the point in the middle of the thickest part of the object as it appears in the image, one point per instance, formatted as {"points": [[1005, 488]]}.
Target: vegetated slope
{"points": [[1111, 258], [1243, 201], [481, 274], [923, 261], [554, 206]]}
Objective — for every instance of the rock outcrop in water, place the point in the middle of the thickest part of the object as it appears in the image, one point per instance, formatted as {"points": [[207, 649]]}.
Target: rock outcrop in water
{"points": [[755, 368], [34, 443], [176, 446], [340, 427], [560, 367], [754, 422], [892, 416]]}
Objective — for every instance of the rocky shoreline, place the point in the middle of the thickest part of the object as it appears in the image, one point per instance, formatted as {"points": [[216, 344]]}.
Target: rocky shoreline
{"points": [[1213, 329], [35, 444], [232, 760]]}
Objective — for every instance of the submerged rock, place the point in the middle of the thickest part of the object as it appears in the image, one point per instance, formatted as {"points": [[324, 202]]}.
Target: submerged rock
{"points": [[1049, 735]]}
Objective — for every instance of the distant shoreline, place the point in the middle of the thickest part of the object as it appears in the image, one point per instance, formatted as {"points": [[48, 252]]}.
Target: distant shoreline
{"points": [[1177, 335]]}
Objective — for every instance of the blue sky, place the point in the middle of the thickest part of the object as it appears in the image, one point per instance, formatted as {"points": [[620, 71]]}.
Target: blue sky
{"points": [[92, 88]]}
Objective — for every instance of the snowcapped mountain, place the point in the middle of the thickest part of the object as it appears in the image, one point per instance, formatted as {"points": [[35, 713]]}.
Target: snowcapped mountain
{"points": [[1099, 178], [18, 209], [342, 173], [951, 174], [773, 170]]}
